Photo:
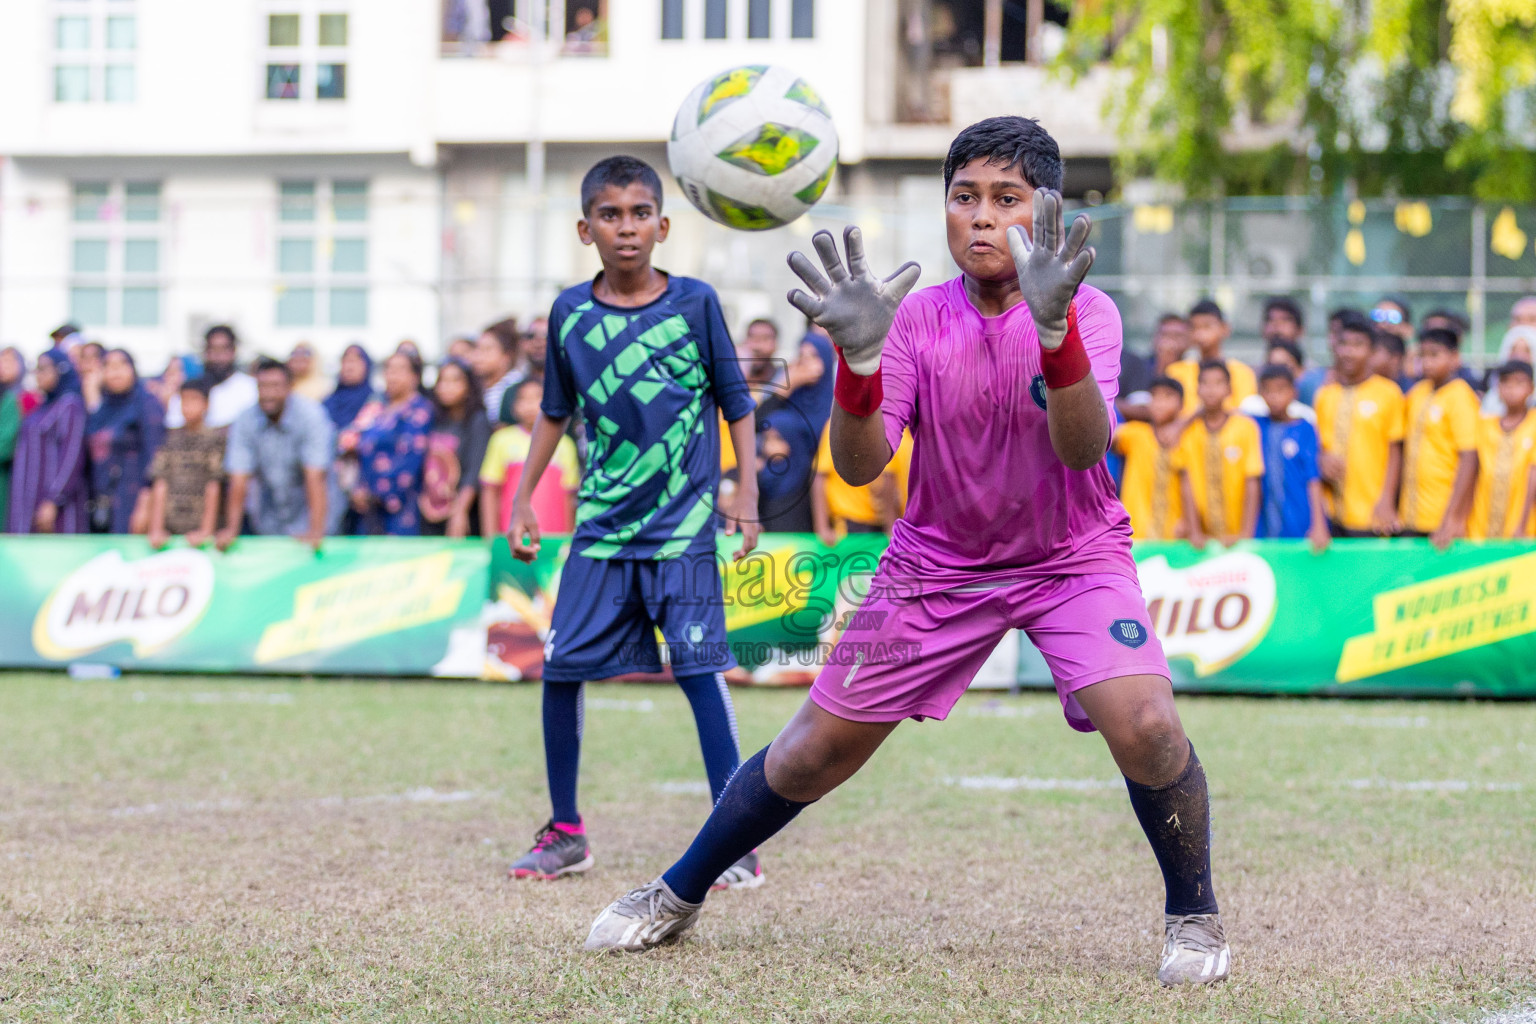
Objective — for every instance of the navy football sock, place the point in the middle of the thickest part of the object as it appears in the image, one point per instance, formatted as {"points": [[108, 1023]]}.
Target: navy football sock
{"points": [[716, 719], [747, 814], [564, 705], [1177, 821]]}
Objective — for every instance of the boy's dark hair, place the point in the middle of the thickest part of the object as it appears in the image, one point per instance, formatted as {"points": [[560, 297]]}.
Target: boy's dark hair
{"points": [[620, 172], [265, 364], [1207, 307], [1008, 142], [765, 322], [1355, 321], [1440, 336], [1287, 305], [1169, 384], [506, 334], [1274, 371], [1517, 366], [198, 384], [224, 329], [1291, 349], [1389, 341], [1460, 322], [1216, 364], [1168, 318], [1339, 314], [63, 331]]}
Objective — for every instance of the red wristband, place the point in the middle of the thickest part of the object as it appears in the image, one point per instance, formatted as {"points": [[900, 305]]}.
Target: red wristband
{"points": [[857, 394], [1068, 364]]}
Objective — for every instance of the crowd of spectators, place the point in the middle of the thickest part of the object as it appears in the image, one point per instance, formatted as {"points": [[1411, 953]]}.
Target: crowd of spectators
{"points": [[1394, 437], [216, 447]]}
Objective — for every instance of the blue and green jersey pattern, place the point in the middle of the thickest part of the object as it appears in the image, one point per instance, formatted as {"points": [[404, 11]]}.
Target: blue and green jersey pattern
{"points": [[648, 381]]}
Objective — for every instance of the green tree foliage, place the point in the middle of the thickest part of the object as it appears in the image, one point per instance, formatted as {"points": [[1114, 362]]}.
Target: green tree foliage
{"points": [[1411, 96]]}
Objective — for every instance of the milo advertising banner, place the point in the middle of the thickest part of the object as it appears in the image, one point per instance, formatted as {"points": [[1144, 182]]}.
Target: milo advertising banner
{"points": [[361, 606], [1366, 617]]}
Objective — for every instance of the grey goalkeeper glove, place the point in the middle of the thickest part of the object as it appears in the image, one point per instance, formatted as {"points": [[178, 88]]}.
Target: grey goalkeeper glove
{"points": [[853, 305], [1050, 271]]}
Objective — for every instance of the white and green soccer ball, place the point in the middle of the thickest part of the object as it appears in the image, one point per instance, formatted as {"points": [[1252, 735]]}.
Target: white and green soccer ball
{"points": [[753, 147]]}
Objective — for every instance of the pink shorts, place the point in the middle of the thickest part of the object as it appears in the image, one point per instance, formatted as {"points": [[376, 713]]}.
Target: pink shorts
{"points": [[907, 655]]}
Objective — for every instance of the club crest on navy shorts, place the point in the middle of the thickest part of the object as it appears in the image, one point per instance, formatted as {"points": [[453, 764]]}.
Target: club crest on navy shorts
{"points": [[1129, 632], [1037, 390]]}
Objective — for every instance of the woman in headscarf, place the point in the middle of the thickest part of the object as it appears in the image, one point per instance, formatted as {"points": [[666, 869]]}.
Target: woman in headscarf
{"points": [[390, 454], [13, 378], [48, 486], [455, 449], [351, 408], [1519, 345], [353, 387], [122, 435]]}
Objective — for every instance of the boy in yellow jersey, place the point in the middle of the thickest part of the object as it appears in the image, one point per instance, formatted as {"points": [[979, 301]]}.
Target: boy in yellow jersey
{"points": [[837, 506], [1149, 486], [1440, 444], [1208, 329], [1220, 463], [1506, 445], [1360, 430]]}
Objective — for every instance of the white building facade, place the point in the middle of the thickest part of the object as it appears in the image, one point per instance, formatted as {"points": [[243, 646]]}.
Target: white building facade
{"points": [[333, 171]]}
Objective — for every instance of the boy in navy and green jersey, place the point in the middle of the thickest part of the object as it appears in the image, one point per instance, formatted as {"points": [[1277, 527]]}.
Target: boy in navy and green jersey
{"points": [[646, 359]]}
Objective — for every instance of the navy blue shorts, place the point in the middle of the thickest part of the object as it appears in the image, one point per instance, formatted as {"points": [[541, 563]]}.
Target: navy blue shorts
{"points": [[608, 610]]}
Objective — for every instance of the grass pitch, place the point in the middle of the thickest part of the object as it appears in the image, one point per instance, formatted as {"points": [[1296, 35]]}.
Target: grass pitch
{"points": [[231, 849]]}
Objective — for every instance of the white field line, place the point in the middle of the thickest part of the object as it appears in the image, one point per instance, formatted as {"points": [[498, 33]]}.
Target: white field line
{"points": [[417, 795], [644, 706], [683, 787], [1435, 786], [1517, 1015], [997, 709], [1005, 783]]}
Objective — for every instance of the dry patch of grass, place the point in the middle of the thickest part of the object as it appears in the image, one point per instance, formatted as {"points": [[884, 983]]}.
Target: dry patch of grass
{"points": [[335, 852]]}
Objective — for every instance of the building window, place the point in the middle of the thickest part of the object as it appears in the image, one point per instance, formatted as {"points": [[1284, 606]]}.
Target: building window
{"points": [[306, 54], [802, 19], [95, 47], [322, 260], [714, 19], [115, 254], [758, 19], [671, 19]]}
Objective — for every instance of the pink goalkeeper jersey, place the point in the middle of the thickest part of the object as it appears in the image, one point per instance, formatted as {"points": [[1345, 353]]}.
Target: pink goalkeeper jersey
{"points": [[988, 500]]}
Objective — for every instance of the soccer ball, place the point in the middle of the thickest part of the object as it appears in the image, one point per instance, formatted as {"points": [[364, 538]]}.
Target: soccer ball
{"points": [[753, 147]]}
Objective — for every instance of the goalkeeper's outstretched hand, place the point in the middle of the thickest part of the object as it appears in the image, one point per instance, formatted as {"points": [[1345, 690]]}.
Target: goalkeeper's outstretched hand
{"points": [[1050, 271], [854, 306]]}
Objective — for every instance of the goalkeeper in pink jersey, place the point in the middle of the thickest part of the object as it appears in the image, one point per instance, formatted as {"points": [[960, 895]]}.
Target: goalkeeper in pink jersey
{"points": [[1005, 377]]}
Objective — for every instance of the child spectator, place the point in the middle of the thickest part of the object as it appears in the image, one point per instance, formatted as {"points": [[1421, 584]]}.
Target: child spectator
{"points": [[1208, 329], [1360, 433], [1293, 494], [1506, 489], [450, 489], [1440, 447], [1220, 464], [1149, 488], [554, 496], [186, 474], [1389, 359], [839, 508]]}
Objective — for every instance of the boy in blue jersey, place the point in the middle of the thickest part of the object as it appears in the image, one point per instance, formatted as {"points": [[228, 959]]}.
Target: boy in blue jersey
{"points": [[1293, 490], [646, 358]]}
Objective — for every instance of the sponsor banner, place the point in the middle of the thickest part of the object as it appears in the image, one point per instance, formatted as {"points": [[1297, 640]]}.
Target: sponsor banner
{"points": [[375, 606], [1366, 617]]}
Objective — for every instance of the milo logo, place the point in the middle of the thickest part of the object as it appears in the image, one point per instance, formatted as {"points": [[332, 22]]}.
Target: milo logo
{"points": [[148, 603]]}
